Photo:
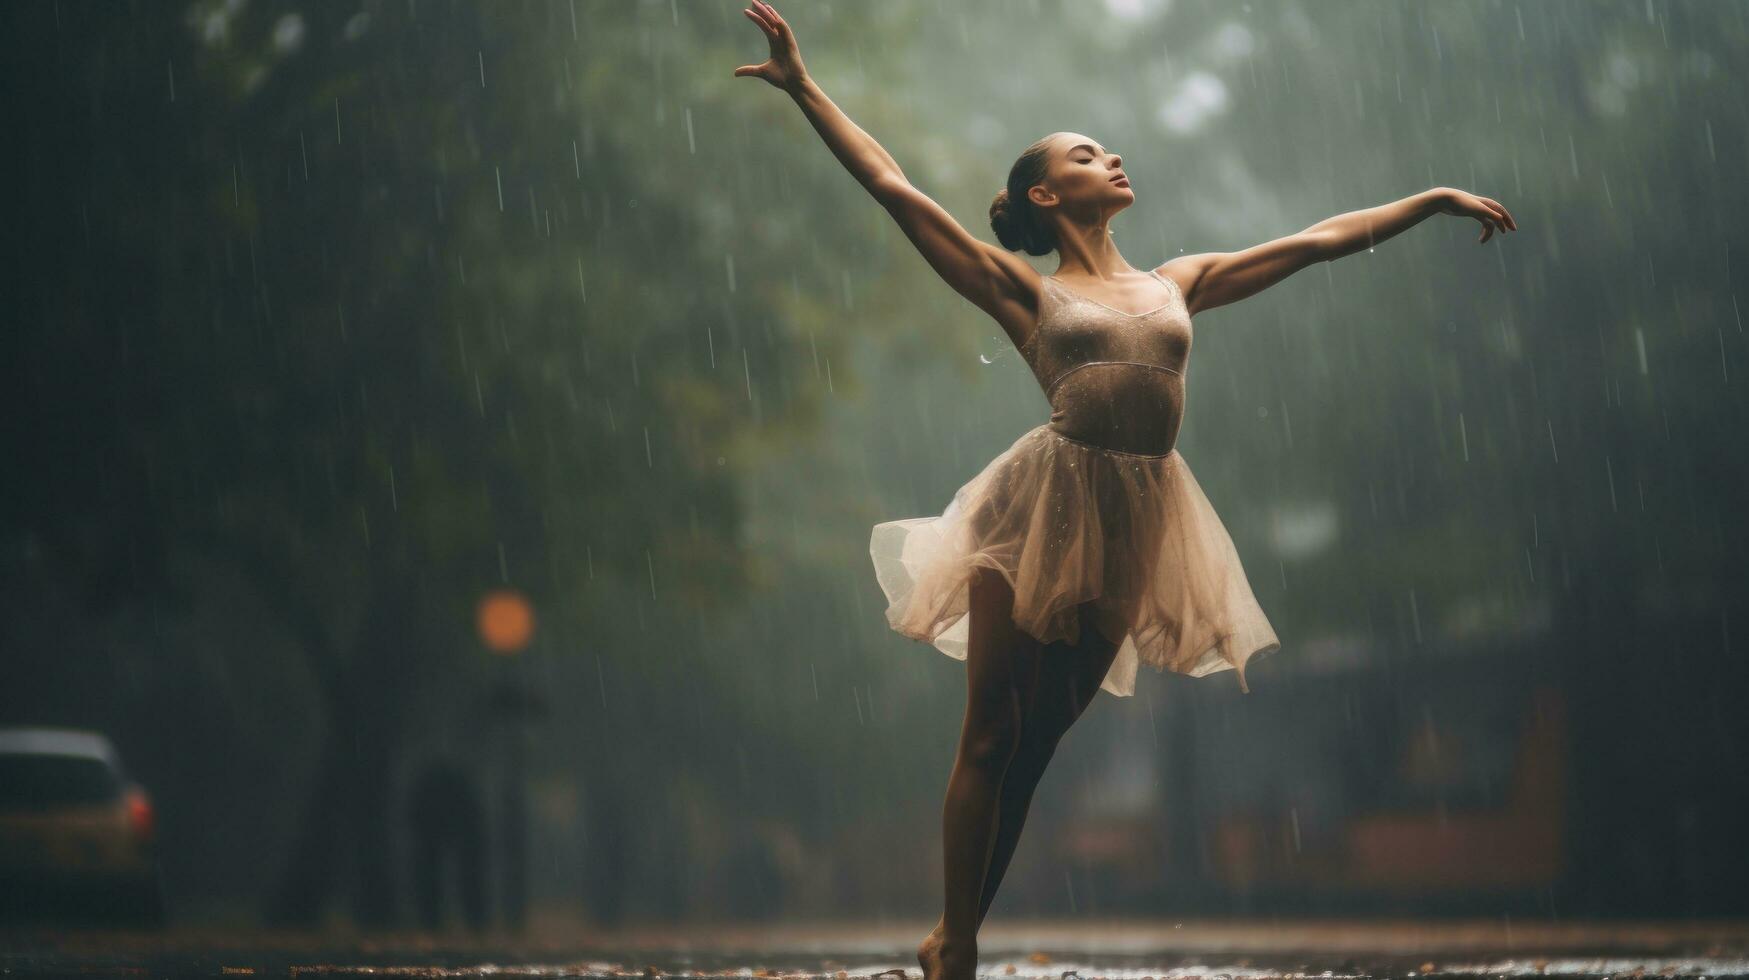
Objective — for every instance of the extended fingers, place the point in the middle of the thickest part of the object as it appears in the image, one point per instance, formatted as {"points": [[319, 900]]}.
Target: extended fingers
{"points": [[772, 14], [758, 17], [1507, 215], [1496, 210], [1495, 217]]}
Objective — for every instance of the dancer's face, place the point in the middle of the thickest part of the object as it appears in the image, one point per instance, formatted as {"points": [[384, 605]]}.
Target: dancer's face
{"points": [[1082, 178]]}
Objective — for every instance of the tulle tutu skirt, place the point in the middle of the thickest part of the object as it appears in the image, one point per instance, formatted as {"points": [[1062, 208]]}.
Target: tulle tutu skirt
{"points": [[1068, 523]]}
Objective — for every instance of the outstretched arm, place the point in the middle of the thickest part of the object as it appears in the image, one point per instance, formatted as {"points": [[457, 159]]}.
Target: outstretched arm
{"points": [[992, 278], [1218, 278]]}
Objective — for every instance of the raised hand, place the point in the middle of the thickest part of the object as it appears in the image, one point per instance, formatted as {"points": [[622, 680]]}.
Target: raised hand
{"points": [[1491, 213], [784, 68]]}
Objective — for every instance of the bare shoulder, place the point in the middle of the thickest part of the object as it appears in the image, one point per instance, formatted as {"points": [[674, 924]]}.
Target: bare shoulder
{"points": [[1188, 271]]}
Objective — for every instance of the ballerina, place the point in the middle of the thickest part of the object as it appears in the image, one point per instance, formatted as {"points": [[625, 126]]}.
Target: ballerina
{"points": [[1086, 548]]}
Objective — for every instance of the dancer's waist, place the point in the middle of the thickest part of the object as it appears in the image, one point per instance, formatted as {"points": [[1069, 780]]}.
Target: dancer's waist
{"points": [[1107, 440]]}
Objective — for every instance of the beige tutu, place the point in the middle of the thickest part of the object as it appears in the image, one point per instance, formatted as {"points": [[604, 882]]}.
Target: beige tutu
{"points": [[1067, 523]]}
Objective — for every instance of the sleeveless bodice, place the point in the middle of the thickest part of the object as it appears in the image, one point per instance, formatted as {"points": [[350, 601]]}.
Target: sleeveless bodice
{"points": [[1114, 380]]}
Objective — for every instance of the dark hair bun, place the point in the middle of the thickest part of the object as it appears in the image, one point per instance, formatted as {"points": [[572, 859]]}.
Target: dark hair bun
{"points": [[1017, 223], [1003, 224]]}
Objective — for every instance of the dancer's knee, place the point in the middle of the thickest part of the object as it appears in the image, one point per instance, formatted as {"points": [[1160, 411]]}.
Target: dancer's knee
{"points": [[991, 745]]}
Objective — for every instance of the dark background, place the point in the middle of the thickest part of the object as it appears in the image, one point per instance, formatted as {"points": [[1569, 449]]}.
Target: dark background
{"points": [[330, 319]]}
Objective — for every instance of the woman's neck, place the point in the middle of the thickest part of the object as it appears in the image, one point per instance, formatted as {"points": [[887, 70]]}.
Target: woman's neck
{"points": [[1091, 254]]}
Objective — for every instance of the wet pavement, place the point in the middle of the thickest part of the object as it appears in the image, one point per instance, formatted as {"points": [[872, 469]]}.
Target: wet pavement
{"points": [[1163, 950]]}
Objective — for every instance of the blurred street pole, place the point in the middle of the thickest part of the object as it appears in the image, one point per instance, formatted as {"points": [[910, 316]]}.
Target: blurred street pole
{"points": [[506, 624]]}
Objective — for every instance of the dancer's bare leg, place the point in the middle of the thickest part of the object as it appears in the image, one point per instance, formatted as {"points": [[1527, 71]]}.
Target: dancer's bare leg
{"points": [[1067, 680], [1001, 660]]}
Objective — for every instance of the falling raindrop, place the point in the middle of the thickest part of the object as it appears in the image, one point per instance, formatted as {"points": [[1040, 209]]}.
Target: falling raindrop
{"points": [[1415, 615]]}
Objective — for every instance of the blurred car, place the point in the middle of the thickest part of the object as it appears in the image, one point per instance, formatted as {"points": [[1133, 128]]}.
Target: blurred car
{"points": [[76, 834]]}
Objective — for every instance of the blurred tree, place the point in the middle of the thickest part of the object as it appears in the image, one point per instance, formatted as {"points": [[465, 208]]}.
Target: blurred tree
{"points": [[386, 306]]}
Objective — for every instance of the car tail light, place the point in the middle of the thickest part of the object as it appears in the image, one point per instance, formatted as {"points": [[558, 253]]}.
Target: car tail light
{"points": [[140, 816]]}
